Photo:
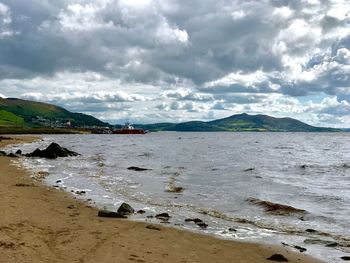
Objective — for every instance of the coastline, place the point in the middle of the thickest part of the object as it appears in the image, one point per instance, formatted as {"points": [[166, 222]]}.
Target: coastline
{"points": [[38, 226]]}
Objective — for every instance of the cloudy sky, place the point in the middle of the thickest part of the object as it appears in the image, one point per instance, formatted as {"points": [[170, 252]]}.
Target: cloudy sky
{"points": [[177, 60]]}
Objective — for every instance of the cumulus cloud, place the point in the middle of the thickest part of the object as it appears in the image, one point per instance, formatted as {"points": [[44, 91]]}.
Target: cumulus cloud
{"points": [[179, 59]]}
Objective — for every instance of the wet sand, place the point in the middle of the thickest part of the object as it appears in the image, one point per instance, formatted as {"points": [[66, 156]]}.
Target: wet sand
{"points": [[36, 225]]}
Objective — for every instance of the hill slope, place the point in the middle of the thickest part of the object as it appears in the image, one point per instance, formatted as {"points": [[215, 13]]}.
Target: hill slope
{"points": [[240, 122], [30, 113]]}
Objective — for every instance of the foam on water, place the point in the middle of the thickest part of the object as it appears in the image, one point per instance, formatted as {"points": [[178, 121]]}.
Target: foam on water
{"points": [[218, 173]]}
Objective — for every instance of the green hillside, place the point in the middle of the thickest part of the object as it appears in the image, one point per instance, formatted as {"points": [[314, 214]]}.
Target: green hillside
{"points": [[239, 123], [10, 119], [31, 113]]}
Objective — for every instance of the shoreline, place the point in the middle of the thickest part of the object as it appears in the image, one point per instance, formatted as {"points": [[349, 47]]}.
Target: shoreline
{"points": [[42, 224]]}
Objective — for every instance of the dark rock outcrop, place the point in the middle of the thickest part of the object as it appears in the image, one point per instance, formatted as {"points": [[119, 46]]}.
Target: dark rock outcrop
{"points": [[106, 213], [278, 258], [53, 151], [2, 153], [125, 209], [195, 220], [347, 258]]}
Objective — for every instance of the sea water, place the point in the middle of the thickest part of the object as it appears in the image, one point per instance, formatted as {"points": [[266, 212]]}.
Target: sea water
{"points": [[218, 173]]}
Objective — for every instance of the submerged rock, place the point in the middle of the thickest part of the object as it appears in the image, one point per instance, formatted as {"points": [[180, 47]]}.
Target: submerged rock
{"points": [[53, 151], [278, 258], [249, 169], [106, 213], [125, 209]]}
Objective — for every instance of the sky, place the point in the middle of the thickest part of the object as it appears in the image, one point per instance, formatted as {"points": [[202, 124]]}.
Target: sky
{"points": [[159, 60]]}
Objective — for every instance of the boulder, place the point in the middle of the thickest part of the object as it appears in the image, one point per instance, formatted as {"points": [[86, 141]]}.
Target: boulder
{"points": [[53, 151], [19, 152], [106, 213], [125, 209]]}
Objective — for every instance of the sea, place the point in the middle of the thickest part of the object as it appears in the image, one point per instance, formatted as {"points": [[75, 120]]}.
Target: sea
{"points": [[290, 189]]}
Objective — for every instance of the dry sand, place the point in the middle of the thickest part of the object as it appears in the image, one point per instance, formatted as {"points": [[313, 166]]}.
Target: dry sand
{"points": [[36, 225]]}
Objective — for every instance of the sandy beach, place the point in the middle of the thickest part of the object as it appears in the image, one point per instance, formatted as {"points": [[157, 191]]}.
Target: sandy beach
{"points": [[40, 224]]}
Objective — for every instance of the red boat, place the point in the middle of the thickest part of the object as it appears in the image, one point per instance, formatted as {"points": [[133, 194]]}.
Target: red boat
{"points": [[129, 129]]}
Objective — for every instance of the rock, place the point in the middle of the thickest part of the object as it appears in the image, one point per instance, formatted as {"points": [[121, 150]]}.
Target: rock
{"points": [[58, 181], [310, 230], [347, 258], [72, 207], [19, 152], [153, 227], [249, 169], [2, 153], [80, 192], [278, 258], [125, 209], [141, 211], [138, 169], [301, 249], [303, 166], [232, 229], [106, 213], [53, 151], [163, 216]]}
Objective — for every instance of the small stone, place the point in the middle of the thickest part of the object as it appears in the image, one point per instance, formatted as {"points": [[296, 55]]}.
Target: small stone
{"points": [[232, 229], [249, 169], [278, 258], [72, 207], [58, 181]]}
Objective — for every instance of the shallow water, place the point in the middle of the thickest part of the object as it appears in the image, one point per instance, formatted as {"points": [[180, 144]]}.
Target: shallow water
{"points": [[218, 172]]}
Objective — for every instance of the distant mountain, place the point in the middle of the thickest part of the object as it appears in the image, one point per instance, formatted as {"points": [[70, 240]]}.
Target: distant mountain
{"points": [[17, 112], [238, 123]]}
